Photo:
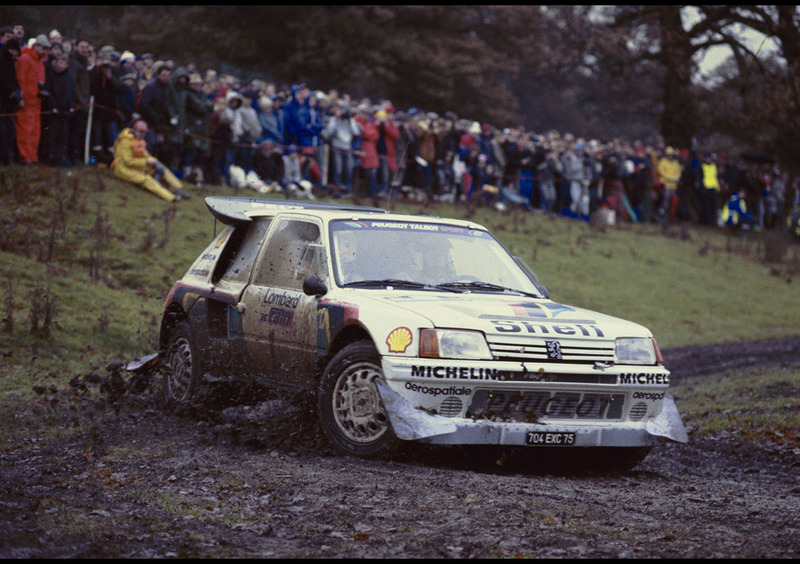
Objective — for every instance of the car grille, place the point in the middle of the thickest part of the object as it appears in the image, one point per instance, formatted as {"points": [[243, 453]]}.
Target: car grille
{"points": [[520, 349]]}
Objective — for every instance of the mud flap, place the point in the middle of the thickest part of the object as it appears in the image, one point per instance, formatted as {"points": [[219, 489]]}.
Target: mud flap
{"points": [[410, 423], [668, 423], [142, 364]]}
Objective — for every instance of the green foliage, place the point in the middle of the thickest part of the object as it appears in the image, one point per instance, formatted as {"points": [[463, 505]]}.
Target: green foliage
{"points": [[756, 405], [100, 256]]}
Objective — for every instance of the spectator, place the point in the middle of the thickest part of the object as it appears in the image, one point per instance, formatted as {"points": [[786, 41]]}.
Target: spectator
{"points": [[340, 131], [292, 171], [56, 50], [154, 109], [10, 99], [316, 120], [19, 33], [220, 124], [669, 174], [734, 214], [80, 76], [60, 104], [272, 120], [134, 164], [575, 175], [127, 64], [268, 163], [196, 142], [369, 150], [246, 128], [482, 173], [106, 88], [176, 106], [546, 171], [427, 134], [485, 143], [709, 190], [385, 145], [127, 98], [6, 33], [148, 70], [298, 118], [31, 76]]}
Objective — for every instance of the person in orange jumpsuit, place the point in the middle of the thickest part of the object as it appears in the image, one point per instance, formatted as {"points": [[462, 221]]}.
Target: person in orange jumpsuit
{"points": [[134, 164], [31, 76]]}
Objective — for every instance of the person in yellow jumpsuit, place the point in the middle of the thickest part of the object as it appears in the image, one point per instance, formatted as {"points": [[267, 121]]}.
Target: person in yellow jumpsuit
{"points": [[134, 164]]}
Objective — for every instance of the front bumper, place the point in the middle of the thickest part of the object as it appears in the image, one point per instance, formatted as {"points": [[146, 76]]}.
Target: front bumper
{"points": [[424, 424]]}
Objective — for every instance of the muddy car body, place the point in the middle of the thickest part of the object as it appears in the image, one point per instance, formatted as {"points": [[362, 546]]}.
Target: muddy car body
{"points": [[408, 328]]}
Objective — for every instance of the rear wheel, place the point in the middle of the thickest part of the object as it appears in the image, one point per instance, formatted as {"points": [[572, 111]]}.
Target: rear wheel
{"points": [[350, 407], [182, 371]]}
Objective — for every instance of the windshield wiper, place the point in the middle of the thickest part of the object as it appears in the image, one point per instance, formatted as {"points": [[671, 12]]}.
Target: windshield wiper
{"points": [[396, 282], [486, 286]]}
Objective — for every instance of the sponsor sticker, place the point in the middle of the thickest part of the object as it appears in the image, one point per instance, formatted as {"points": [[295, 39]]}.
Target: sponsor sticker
{"points": [[399, 340]]}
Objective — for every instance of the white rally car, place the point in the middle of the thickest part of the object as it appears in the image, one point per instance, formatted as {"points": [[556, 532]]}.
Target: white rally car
{"points": [[408, 328]]}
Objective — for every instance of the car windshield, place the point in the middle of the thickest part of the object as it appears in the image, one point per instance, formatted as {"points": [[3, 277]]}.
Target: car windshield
{"points": [[423, 256]]}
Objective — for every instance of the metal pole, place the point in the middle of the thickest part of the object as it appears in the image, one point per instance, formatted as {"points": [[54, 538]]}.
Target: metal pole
{"points": [[88, 131]]}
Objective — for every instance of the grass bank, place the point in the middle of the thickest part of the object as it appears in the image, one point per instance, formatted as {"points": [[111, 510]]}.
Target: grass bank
{"points": [[86, 262]]}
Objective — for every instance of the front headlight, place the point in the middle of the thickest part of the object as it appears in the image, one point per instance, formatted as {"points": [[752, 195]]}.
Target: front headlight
{"points": [[638, 351], [452, 343]]}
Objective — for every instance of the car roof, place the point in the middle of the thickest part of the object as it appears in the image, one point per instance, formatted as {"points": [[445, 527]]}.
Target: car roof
{"points": [[232, 210]]}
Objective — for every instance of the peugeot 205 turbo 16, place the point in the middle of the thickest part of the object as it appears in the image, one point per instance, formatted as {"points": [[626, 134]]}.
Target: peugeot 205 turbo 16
{"points": [[408, 328]]}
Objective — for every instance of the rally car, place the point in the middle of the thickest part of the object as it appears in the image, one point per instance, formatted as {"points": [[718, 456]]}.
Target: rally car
{"points": [[408, 328]]}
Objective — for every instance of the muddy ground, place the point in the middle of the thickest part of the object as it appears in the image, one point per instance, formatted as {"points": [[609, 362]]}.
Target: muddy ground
{"points": [[126, 479]]}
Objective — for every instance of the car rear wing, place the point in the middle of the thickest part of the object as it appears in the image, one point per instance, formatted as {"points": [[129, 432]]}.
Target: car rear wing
{"points": [[237, 209]]}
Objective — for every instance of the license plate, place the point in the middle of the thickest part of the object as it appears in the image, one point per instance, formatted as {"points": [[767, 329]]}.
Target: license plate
{"points": [[549, 438]]}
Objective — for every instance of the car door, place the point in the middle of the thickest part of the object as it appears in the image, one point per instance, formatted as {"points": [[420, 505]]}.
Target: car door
{"points": [[279, 320], [229, 278]]}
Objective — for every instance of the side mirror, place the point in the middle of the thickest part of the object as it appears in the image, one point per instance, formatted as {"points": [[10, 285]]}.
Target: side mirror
{"points": [[313, 286]]}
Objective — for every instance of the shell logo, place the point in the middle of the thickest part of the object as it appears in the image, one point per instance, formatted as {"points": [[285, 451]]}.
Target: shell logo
{"points": [[399, 340]]}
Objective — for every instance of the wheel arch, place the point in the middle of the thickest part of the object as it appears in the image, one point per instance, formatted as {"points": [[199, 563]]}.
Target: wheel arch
{"points": [[173, 315], [347, 336]]}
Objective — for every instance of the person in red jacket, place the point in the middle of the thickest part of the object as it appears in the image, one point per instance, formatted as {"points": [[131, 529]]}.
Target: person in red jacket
{"points": [[369, 149], [31, 76], [388, 134]]}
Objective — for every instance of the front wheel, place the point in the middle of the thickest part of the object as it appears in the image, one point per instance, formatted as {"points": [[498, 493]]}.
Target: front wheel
{"points": [[182, 370], [350, 407]]}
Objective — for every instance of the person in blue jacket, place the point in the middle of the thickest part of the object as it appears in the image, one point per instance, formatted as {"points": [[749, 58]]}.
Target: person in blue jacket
{"points": [[300, 128]]}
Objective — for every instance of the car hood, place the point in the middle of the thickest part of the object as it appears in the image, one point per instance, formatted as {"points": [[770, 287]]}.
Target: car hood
{"points": [[492, 313]]}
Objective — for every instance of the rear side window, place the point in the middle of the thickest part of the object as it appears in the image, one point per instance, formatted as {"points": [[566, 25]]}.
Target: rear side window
{"points": [[241, 251]]}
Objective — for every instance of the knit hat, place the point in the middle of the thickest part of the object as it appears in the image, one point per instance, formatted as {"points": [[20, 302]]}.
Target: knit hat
{"points": [[43, 41]]}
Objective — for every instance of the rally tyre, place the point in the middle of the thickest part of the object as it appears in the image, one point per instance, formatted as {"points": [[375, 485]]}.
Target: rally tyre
{"points": [[349, 405], [181, 375]]}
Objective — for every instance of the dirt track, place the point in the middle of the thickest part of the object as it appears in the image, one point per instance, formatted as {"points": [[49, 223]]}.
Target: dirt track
{"points": [[129, 480]]}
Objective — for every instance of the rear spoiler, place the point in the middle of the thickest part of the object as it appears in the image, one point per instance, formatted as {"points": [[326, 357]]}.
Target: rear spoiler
{"points": [[231, 210]]}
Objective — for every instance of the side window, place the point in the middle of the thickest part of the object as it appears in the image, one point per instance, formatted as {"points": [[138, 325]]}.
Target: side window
{"points": [[293, 251], [242, 250]]}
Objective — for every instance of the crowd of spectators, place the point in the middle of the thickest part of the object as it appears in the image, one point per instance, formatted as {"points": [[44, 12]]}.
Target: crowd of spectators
{"points": [[204, 123]]}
